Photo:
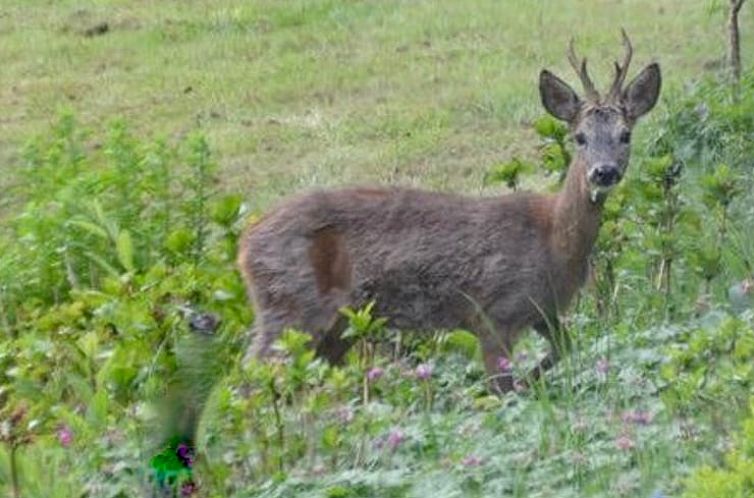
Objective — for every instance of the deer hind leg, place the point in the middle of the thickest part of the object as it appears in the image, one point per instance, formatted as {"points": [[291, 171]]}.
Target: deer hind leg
{"points": [[560, 343], [270, 308], [331, 270], [275, 312], [320, 318], [328, 342], [301, 286]]}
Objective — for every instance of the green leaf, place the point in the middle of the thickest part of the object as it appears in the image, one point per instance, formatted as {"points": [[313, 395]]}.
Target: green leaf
{"points": [[99, 261], [331, 437], [179, 241], [91, 228], [361, 323], [125, 249], [508, 173], [225, 210], [548, 127], [98, 408], [294, 342], [462, 342], [110, 225], [89, 344], [554, 158]]}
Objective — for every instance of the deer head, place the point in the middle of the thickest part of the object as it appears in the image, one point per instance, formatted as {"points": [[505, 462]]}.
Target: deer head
{"points": [[601, 126]]}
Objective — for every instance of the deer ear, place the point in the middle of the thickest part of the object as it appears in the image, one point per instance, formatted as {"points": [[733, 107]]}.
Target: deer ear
{"points": [[640, 96], [558, 98]]}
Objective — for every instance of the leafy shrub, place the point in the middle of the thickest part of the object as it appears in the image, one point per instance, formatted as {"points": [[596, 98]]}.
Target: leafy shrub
{"points": [[123, 320], [115, 249], [711, 364], [735, 477], [555, 156]]}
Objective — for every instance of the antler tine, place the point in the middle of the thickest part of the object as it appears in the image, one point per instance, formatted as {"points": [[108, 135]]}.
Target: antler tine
{"points": [[621, 69], [591, 92]]}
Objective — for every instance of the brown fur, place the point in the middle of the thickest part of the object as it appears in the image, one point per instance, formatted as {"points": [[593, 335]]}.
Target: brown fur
{"points": [[329, 259], [431, 260]]}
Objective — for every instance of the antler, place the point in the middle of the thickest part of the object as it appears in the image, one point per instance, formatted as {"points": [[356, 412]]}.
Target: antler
{"points": [[591, 92], [621, 70]]}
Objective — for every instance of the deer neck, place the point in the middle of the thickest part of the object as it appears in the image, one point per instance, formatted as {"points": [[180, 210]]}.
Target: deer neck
{"points": [[576, 219]]}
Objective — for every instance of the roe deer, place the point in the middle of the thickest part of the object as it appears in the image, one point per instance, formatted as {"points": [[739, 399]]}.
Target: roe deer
{"points": [[437, 260]]}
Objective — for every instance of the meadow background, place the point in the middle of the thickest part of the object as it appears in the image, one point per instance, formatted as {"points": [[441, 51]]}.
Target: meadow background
{"points": [[138, 138]]}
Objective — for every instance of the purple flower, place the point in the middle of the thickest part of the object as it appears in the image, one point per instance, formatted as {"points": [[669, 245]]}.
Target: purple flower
{"points": [[625, 443], [65, 436], [424, 371], [638, 417], [395, 438], [185, 455], [188, 488], [603, 366], [374, 373], [471, 461], [504, 364]]}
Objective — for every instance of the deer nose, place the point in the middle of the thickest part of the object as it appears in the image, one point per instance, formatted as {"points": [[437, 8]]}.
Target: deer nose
{"points": [[605, 175]]}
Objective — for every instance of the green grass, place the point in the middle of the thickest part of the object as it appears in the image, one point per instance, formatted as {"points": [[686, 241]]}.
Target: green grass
{"points": [[99, 265], [297, 93]]}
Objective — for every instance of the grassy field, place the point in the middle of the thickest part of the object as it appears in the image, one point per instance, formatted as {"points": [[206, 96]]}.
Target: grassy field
{"points": [[118, 242], [297, 93]]}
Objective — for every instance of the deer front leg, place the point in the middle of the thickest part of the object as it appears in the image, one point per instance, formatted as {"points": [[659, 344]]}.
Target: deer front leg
{"points": [[560, 344], [496, 358]]}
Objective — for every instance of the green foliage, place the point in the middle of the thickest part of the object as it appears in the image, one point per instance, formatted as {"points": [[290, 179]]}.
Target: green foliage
{"points": [[508, 173], [461, 342], [735, 479], [98, 302], [668, 221], [361, 323], [710, 364], [721, 187], [367, 331], [554, 154], [123, 321], [169, 469]]}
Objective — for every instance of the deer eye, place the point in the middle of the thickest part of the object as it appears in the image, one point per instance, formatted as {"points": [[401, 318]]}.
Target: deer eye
{"points": [[580, 139], [625, 137]]}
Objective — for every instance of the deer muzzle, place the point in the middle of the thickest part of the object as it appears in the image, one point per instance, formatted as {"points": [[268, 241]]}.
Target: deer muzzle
{"points": [[605, 176]]}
